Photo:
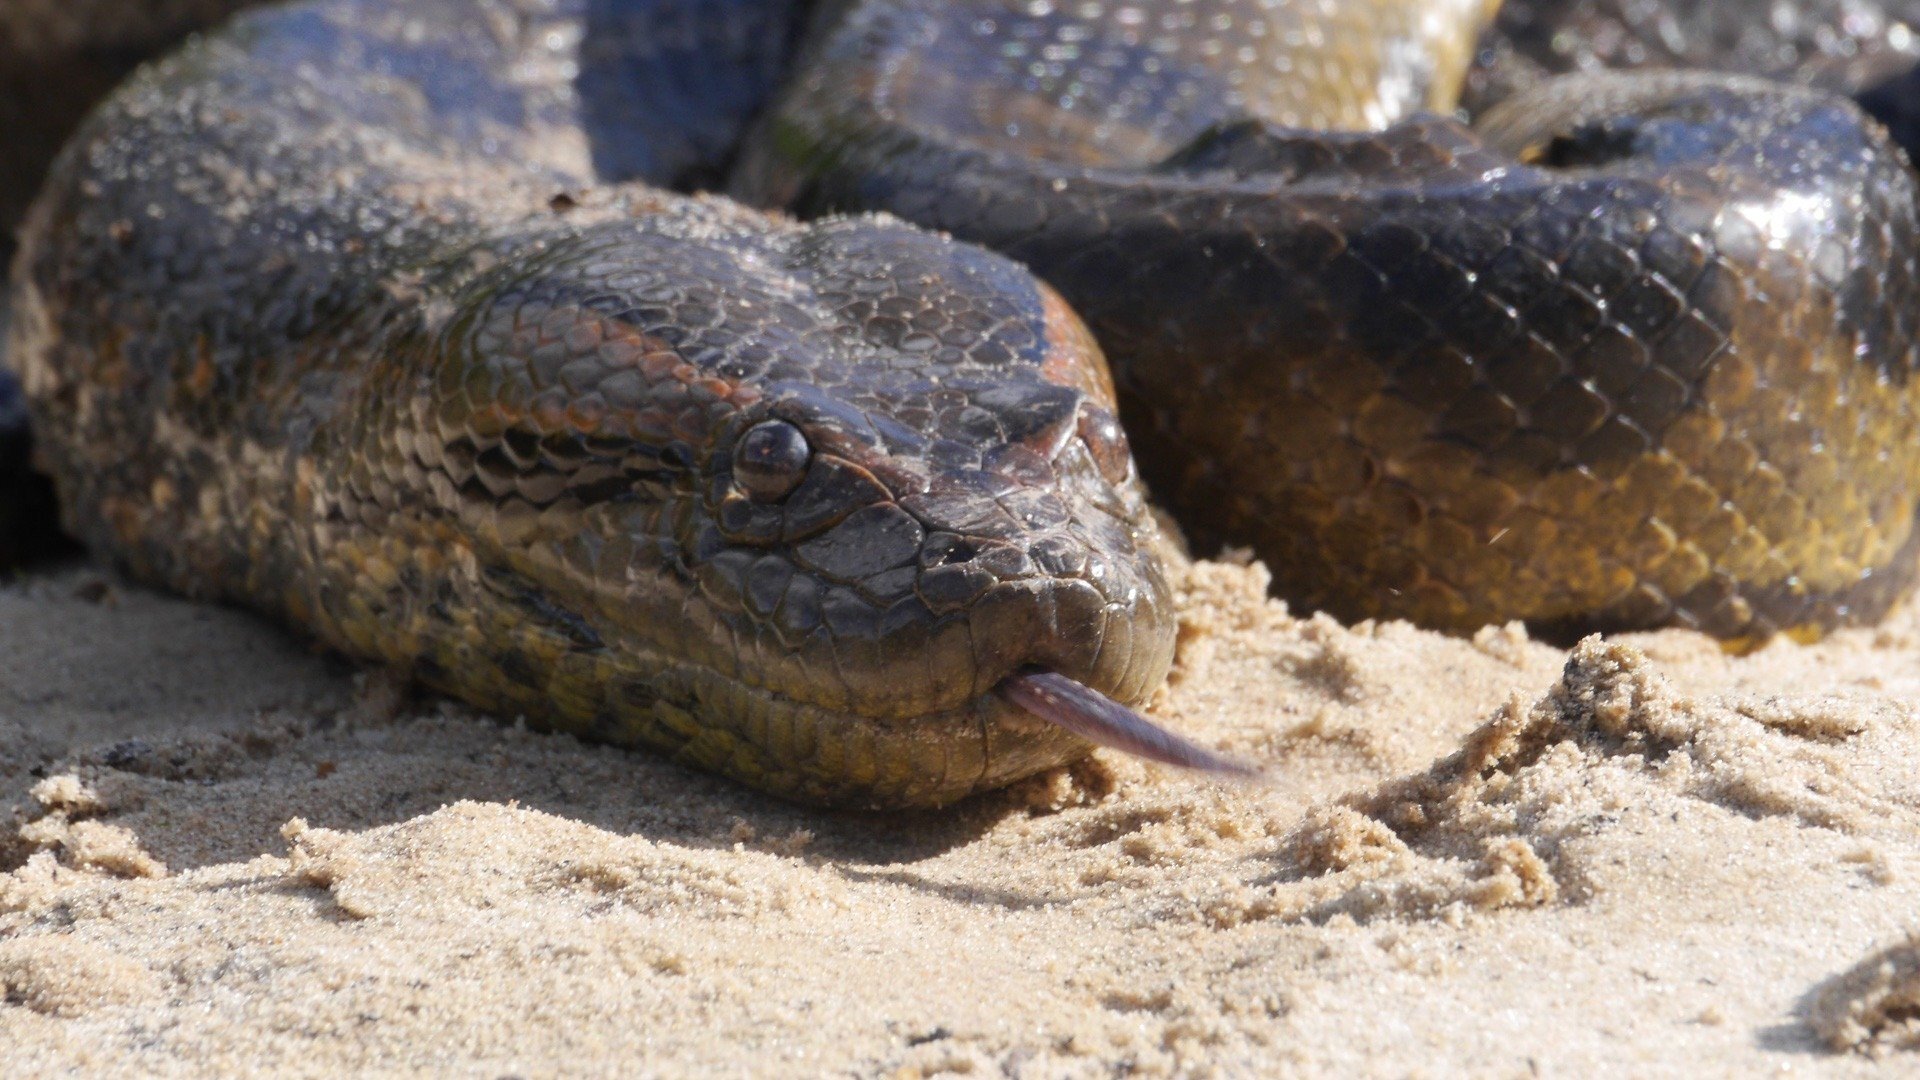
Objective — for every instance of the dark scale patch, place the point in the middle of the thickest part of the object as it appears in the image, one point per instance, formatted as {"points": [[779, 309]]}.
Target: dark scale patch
{"points": [[521, 668], [542, 611]]}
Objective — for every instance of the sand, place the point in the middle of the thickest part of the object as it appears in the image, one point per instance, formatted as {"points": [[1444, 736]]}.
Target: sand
{"points": [[226, 853]]}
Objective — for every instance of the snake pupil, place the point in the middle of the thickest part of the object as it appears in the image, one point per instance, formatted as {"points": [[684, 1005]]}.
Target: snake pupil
{"points": [[770, 459]]}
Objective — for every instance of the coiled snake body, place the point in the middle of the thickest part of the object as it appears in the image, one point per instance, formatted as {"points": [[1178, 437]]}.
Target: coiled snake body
{"points": [[377, 314]]}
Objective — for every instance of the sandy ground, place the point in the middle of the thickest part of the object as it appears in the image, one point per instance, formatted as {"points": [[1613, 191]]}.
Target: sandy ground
{"points": [[1487, 857]]}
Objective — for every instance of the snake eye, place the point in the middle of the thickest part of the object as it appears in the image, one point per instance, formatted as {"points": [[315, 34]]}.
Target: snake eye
{"points": [[770, 459], [1107, 443]]}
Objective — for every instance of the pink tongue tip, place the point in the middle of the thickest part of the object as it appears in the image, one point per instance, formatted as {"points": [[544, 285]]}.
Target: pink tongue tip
{"points": [[1099, 719]]}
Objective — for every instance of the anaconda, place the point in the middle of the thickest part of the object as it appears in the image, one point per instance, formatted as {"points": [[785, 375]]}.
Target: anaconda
{"points": [[378, 315]]}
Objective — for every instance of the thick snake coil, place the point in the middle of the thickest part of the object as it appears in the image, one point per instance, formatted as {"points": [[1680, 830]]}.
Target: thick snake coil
{"points": [[376, 314]]}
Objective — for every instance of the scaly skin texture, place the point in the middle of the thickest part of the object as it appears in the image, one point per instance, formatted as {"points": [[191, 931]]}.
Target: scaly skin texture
{"points": [[1636, 351], [361, 312], [59, 57]]}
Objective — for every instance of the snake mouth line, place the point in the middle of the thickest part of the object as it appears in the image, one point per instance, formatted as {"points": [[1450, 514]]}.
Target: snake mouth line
{"points": [[1099, 719]]}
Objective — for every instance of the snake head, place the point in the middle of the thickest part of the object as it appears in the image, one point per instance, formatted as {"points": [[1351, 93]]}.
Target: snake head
{"points": [[941, 500], [809, 494]]}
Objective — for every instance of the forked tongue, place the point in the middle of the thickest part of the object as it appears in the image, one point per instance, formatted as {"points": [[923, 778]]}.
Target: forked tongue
{"points": [[1099, 719]]}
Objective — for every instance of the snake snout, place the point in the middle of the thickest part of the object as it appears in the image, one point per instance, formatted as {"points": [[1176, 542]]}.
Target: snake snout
{"points": [[1064, 649], [1107, 625], [1051, 566]]}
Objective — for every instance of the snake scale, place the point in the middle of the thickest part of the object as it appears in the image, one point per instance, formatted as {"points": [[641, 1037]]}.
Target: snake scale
{"points": [[391, 317]]}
